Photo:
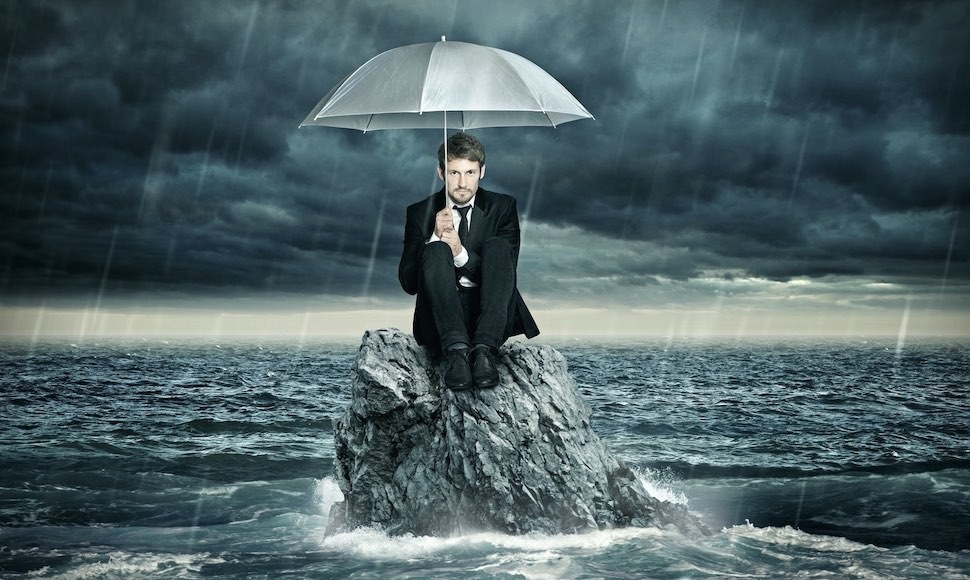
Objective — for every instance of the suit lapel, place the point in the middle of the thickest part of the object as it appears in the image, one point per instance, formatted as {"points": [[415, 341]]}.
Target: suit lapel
{"points": [[432, 205], [479, 227]]}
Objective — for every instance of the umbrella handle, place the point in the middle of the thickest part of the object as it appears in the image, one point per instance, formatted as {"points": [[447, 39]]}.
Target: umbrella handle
{"points": [[444, 171]]}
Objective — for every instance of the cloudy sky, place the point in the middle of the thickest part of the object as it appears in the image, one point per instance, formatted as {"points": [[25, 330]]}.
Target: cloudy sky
{"points": [[754, 167]]}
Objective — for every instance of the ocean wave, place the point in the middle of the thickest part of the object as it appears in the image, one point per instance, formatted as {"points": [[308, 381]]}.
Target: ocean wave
{"points": [[114, 564], [743, 550], [885, 464], [210, 426]]}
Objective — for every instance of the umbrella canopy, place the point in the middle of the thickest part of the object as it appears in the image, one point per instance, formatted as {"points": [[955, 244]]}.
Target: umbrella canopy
{"points": [[449, 85]]}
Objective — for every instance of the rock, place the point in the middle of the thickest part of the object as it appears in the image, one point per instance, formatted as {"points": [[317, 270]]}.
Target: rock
{"points": [[413, 457]]}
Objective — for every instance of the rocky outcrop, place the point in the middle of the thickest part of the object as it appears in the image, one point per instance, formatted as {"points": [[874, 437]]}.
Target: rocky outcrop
{"points": [[413, 457]]}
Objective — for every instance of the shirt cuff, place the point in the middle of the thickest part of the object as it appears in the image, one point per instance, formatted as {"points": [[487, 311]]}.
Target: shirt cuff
{"points": [[462, 258]]}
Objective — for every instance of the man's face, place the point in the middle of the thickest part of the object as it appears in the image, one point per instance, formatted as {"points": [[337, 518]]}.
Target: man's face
{"points": [[462, 179]]}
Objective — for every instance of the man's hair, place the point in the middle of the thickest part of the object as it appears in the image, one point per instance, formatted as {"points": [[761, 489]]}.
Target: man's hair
{"points": [[462, 146]]}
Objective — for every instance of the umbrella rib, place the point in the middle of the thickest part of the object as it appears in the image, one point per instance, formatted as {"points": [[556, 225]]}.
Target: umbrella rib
{"points": [[424, 81]]}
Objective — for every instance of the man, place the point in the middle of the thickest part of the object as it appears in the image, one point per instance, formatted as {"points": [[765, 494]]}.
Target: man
{"points": [[460, 259]]}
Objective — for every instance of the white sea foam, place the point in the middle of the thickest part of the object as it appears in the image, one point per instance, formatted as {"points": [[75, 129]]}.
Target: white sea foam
{"points": [[219, 490], [661, 485], [544, 565], [127, 564], [374, 544], [533, 557], [766, 550], [326, 492], [789, 536], [745, 550]]}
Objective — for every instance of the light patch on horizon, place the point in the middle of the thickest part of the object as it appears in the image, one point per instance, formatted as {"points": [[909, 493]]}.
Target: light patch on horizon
{"points": [[721, 316], [593, 269]]}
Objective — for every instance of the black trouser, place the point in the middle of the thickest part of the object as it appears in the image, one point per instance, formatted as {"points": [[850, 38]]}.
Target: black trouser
{"points": [[480, 315]]}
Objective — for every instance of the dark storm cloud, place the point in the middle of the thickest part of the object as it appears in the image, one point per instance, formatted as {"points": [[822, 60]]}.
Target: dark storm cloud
{"points": [[154, 148], [761, 124], [145, 144]]}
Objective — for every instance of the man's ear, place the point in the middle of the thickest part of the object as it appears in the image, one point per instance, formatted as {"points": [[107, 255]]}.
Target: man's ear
{"points": [[481, 174], [441, 174]]}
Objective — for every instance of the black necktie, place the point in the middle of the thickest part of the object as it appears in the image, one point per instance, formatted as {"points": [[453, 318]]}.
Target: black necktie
{"points": [[463, 224]]}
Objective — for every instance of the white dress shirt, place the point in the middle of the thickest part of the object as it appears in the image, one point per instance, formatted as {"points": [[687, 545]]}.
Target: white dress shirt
{"points": [[462, 258]]}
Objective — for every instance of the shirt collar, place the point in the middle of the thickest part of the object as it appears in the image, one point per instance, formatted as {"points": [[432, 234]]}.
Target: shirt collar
{"points": [[471, 203]]}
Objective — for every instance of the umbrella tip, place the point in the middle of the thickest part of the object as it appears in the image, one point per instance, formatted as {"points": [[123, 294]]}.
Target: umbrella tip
{"points": [[443, 39]]}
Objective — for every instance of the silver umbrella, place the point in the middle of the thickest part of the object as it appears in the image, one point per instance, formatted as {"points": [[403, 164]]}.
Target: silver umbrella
{"points": [[454, 85]]}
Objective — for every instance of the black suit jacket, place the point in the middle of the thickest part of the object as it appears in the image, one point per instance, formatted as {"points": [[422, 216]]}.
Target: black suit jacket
{"points": [[495, 214]]}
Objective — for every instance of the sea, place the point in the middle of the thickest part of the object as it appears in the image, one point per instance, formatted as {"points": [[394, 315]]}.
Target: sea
{"points": [[213, 458]]}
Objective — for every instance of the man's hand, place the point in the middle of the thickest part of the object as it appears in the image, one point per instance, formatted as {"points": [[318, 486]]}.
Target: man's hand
{"points": [[444, 228], [443, 222]]}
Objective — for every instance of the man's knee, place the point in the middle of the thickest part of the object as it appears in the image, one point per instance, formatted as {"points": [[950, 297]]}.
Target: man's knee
{"points": [[437, 252]]}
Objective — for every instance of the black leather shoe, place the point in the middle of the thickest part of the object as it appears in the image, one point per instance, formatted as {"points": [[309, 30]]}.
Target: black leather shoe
{"points": [[484, 372], [457, 372]]}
